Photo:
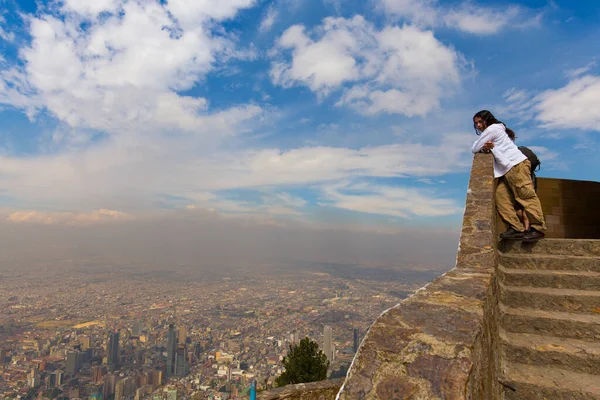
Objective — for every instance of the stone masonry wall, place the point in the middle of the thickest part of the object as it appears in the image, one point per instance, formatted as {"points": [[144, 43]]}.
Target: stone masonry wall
{"points": [[440, 343]]}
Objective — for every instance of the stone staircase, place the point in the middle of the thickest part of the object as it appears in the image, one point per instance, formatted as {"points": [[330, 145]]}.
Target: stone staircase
{"points": [[549, 296]]}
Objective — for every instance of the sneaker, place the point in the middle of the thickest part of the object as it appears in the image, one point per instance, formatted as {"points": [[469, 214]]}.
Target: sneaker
{"points": [[511, 234], [533, 235]]}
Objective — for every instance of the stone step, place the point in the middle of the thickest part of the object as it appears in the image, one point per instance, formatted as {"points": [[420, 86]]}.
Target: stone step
{"points": [[567, 247], [570, 354], [529, 382], [562, 279], [564, 300], [558, 324], [549, 262]]}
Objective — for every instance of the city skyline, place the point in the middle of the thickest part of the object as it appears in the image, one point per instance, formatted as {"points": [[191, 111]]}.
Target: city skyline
{"points": [[237, 329]]}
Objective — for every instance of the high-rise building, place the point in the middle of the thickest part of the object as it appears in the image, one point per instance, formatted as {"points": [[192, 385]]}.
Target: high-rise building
{"points": [[58, 377], [171, 350], [142, 392], [72, 363], [86, 342], [124, 388], [120, 390], [113, 350], [327, 343], [157, 377], [356, 338], [138, 328], [182, 335], [181, 365], [295, 338], [110, 384], [33, 378], [98, 373]]}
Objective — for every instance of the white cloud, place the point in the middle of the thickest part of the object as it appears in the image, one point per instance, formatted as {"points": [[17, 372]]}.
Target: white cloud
{"points": [[128, 173], [395, 70], [91, 9], [8, 36], [467, 16], [384, 200], [480, 20], [574, 106], [68, 218], [271, 204], [325, 64], [122, 72], [421, 12], [577, 72], [417, 68], [518, 104], [192, 13], [268, 19], [549, 159]]}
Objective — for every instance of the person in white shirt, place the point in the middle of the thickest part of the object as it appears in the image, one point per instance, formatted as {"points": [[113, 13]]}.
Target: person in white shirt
{"points": [[512, 169]]}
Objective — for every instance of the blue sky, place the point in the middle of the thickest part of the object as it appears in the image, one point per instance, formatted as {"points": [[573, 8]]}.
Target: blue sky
{"points": [[337, 112]]}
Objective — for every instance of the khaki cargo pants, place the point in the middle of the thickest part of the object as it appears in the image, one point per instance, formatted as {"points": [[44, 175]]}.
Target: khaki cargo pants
{"points": [[516, 186]]}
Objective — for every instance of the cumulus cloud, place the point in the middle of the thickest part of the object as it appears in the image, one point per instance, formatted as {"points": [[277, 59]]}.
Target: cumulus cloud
{"points": [[122, 72], [68, 218], [401, 70], [325, 64]]}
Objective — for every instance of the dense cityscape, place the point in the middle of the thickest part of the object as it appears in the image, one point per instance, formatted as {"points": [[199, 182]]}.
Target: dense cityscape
{"points": [[125, 334]]}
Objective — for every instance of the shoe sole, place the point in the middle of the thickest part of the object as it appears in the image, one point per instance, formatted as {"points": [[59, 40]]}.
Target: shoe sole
{"points": [[532, 240]]}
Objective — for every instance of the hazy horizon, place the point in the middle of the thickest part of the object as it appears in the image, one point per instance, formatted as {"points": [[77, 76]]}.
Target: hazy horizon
{"points": [[209, 241]]}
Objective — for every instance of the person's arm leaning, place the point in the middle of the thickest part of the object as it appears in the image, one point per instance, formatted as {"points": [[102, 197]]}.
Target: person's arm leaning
{"points": [[485, 142]]}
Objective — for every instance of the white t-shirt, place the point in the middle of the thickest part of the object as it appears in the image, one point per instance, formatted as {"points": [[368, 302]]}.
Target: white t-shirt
{"points": [[505, 151]]}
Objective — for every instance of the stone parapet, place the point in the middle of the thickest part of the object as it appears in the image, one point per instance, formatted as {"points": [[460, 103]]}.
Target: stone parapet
{"points": [[321, 390], [440, 342]]}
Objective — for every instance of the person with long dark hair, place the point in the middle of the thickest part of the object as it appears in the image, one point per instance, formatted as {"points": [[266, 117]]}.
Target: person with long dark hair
{"points": [[513, 171]]}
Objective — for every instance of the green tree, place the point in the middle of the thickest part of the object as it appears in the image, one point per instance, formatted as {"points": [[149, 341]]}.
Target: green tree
{"points": [[304, 363]]}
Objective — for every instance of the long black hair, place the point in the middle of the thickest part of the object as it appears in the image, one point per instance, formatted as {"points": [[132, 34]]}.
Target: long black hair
{"points": [[489, 119]]}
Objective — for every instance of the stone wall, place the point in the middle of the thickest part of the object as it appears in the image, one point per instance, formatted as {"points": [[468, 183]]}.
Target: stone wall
{"points": [[322, 390], [570, 207], [441, 342]]}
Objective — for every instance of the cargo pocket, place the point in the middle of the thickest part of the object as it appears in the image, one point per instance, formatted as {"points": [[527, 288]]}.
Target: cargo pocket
{"points": [[526, 192]]}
